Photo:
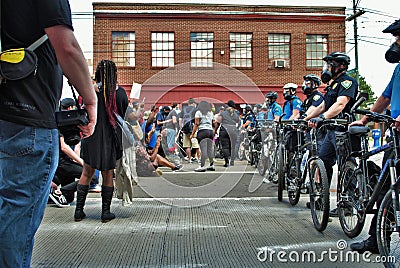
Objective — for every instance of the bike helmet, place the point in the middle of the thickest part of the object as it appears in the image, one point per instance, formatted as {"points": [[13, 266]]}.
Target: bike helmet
{"points": [[248, 108], [340, 57], [313, 77], [290, 86], [271, 95], [258, 105]]}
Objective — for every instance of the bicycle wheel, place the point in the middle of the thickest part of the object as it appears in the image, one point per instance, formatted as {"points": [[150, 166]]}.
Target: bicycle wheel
{"points": [[319, 195], [273, 169], [349, 196], [241, 151], [281, 174], [295, 182], [263, 162], [388, 240], [251, 154]]}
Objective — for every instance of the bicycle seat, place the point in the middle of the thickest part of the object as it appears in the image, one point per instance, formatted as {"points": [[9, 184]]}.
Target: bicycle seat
{"points": [[358, 130]]}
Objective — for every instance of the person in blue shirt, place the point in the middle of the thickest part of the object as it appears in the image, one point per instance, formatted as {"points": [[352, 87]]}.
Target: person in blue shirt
{"points": [[274, 110], [390, 96], [292, 105]]}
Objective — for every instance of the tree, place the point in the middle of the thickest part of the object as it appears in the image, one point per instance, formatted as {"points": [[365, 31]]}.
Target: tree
{"points": [[366, 88]]}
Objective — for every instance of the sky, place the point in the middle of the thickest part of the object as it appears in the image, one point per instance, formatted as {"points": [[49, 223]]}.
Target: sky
{"points": [[372, 42]]}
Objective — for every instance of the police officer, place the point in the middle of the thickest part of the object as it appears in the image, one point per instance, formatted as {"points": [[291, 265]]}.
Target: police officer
{"points": [[274, 110], [249, 119], [292, 104], [340, 96], [314, 103], [390, 97]]}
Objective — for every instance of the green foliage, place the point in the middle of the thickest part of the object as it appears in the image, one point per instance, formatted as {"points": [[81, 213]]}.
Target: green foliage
{"points": [[364, 87]]}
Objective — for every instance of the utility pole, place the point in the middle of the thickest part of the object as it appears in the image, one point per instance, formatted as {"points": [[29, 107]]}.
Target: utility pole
{"points": [[354, 17]]}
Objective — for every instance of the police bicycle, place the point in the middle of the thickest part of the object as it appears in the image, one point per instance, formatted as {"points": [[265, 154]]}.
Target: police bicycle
{"points": [[275, 171], [319, 183], [268, 145], [360, 188], [295, 151]]}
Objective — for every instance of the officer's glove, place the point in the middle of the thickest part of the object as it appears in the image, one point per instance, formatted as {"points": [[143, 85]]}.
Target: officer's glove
{"points": [[317, 121]]}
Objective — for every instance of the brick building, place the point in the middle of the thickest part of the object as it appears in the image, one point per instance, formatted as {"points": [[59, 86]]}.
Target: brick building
{"points": [[215, 52]]}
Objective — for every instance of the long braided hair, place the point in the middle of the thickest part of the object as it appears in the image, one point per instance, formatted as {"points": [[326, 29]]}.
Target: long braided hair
{"points": [[106, 74]]}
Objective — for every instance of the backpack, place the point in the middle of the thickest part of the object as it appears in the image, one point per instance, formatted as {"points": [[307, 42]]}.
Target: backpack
{"points": [[188, 119]]}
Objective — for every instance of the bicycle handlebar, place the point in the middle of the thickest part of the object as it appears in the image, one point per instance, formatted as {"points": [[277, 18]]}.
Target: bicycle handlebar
{"points": [[376, 117]]}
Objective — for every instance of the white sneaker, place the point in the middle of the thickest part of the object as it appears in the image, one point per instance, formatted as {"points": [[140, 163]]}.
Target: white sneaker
{"points": [[200, 169], [58, 199], [211, 168]]}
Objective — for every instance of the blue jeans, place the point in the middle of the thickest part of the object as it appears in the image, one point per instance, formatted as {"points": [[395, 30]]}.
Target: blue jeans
{"points": [[28, 161]]}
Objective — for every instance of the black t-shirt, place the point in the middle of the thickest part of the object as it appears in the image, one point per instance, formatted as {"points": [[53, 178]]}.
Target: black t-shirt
{"points": [[122, 101], [33, 100]]}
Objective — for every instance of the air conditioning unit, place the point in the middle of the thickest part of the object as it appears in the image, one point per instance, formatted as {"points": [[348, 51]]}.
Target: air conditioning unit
{"points": [[280, 63]]}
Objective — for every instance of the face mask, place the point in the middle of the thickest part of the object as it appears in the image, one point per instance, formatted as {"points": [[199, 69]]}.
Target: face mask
{"points": [[326, 74], [287, 96], [392, 55], [307, 87]]}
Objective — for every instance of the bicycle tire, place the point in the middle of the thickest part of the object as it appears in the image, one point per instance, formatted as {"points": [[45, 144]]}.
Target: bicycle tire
{"points": [[262, 163], [349, 191], [273, 169], [389, 246], [241, 151], [251, 154], [319, 195], [294, 197], [281, 174]]}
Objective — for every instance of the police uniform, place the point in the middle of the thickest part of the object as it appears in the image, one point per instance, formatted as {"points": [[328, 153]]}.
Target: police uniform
{"points": [[250, 117], [347, 86], [294, 104], [274, 110], [314, 99], [344, 85]]}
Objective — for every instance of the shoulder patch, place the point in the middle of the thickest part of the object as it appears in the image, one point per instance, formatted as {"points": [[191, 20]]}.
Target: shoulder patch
{"points": [[346, 84], [316, 97]]}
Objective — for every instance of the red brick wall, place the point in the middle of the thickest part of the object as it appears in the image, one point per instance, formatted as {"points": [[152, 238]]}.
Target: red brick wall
{"points": [[330, 21]]}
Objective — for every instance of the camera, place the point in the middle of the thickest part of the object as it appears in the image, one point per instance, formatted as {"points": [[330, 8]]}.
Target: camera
{"points": [[68, 122]]}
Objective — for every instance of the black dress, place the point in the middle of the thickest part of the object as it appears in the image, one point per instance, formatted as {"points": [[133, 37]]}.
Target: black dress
{"points": [[100, 151]]}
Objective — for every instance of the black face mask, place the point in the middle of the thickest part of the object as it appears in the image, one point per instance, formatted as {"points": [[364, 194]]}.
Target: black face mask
{"points": [[287, 96], [307, 90], [326, 76], [392, 55]]}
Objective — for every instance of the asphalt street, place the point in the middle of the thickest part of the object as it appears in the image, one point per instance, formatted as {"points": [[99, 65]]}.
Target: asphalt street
{"points": [[222, 218]]}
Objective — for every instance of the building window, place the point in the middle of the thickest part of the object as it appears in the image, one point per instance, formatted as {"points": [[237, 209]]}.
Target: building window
{"points": [[279, 46], [240, 50], [316, 49], [162, 49], [123, 48], [201, 49]]}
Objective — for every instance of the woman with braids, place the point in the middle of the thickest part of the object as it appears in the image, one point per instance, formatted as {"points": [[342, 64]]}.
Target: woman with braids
{"points": [[102, 149]]}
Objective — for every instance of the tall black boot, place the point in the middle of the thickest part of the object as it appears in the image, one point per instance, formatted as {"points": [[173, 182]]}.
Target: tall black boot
{"points": [[106, 197], [81, 193], [69, 191], [226, 162]]}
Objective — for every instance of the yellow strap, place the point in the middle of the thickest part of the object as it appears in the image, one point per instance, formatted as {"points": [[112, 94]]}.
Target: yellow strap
{"points": [[13, 55]]}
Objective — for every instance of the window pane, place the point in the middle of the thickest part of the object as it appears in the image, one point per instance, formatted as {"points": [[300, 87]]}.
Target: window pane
{"points": [[123, 48], [240, 49], [316, 49], [202, 45], [163, 49], [279, 46]]}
